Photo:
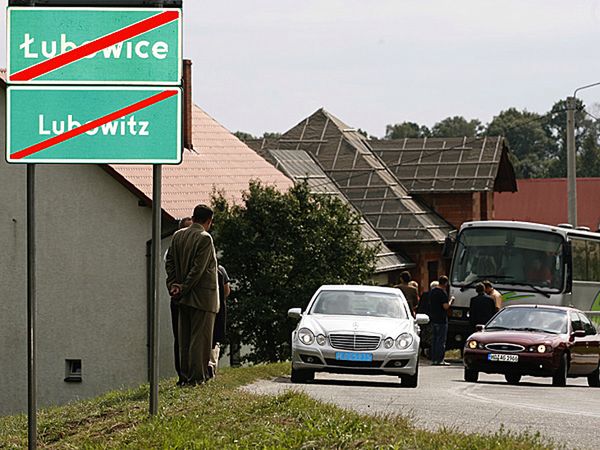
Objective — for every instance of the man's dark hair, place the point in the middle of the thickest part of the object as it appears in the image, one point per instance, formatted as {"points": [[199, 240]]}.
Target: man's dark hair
{"points": [[405, 276], [183, 222], [487, 284], [479, 288], [443, 280], [202, 213]]}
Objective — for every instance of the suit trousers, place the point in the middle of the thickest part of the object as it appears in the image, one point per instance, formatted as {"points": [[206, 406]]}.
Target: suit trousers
{"points": [[175, 324], [195, 343]]}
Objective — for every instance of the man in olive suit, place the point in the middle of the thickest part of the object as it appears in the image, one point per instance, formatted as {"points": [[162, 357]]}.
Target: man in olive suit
{"points": [[192, 280]]}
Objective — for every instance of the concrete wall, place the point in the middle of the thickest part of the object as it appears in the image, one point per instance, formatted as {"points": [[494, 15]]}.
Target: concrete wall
{"points": [[91, 285]]}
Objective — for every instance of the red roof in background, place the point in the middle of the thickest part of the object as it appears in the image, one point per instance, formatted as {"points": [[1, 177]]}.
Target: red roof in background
{"points": [[544, 200], [219, 161]]}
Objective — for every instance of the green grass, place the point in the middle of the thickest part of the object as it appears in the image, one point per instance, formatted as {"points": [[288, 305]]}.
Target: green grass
{"points": [[219, 415]]}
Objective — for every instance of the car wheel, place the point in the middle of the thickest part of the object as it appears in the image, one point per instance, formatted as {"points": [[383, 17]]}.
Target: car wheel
{"points": [[410, 381], [302, 375], [560, 377], [594, 378], [512, 378], [471, 375]]}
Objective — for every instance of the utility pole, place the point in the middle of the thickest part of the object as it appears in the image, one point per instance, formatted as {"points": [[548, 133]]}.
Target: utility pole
{"points": [[571, 162]]}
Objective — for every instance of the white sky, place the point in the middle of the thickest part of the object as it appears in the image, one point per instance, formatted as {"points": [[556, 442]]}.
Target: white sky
{"points": [[265, 65]]}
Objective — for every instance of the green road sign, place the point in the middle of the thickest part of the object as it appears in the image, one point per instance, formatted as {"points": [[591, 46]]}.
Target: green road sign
{"points": [[94, 46], [96, 125]]}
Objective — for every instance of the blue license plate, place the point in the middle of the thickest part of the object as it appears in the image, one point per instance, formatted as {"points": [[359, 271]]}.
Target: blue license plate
{"points": [[353, 356]]}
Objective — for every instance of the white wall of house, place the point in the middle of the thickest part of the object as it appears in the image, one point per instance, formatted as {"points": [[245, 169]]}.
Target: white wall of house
{"points": [[91, 280]]}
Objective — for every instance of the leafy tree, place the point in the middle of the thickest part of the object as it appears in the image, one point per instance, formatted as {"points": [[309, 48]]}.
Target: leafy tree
{"points": [[279, 248], [556, 127], [406, 130], [531, 146], [243, 136], [271, 135], [457, 126], [588, 164]]}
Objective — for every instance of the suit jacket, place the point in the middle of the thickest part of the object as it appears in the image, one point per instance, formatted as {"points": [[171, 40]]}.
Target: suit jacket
{"points": [[410, 294], [192, 262], [481, 309]]}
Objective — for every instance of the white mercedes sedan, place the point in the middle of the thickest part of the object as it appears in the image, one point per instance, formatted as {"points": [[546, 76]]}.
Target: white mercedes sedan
{"points": [[356, 329]]}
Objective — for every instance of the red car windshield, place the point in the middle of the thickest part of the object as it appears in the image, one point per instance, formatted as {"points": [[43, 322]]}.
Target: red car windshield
{"points": [[530, 319]]}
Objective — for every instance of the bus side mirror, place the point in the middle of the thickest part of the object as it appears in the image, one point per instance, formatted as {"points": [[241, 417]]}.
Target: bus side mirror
{"points": [[449, 244]]}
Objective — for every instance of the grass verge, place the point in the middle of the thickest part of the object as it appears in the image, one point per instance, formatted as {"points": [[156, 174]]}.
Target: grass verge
{"points": [[219, 415]]}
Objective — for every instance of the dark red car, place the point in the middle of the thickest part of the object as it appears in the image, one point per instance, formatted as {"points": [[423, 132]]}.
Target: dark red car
{"points": [[543, 341]]}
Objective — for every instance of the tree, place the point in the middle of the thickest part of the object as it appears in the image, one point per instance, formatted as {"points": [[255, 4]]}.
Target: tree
{"points": [[243, 136], [406, 130], [531, 146], [271, 135], [556, 127], [279, 248], [457, 126]]}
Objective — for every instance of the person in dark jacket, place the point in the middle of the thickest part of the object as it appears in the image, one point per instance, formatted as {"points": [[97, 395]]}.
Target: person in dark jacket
{"points": [[439, 304], [481, 308], [424, 307]]}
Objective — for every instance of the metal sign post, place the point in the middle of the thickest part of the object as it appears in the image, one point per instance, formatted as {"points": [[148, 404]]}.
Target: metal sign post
{"points": [[31, 344], [155, 264]]}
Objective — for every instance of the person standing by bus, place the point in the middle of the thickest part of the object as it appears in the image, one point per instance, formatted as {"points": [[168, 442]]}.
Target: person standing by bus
{"points": [[440, 305], [489, 290], [481, 308], [411, 294]]}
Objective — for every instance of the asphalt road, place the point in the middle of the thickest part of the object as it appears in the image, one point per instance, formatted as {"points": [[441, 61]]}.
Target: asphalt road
{"points": [[569, 416]]}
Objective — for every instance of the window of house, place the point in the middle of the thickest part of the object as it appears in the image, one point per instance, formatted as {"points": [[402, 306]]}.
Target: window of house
{"points": [[73, 370]]}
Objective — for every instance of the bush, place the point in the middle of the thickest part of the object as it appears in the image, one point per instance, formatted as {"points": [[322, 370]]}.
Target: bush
{"points": [[278, 248]]}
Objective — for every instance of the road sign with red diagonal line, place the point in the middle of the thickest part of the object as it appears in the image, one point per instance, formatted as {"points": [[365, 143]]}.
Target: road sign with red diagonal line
{"points": [[94, 46]]}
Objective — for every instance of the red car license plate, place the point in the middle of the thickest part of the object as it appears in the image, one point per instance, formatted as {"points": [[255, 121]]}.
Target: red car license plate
{"points": [[503, 357]]}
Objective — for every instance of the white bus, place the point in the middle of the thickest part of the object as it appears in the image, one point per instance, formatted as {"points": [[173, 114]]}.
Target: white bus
{"points": [[527, 263]]}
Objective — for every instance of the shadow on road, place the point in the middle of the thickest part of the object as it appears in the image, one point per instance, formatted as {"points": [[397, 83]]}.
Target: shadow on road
{"points": [[357, 383], [531, 384]]}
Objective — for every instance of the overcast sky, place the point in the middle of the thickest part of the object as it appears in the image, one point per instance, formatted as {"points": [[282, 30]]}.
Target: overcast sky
{"points": [[265, 65]]}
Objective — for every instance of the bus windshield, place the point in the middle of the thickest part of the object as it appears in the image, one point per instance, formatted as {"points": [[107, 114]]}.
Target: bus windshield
{"points": [[509, 256]]}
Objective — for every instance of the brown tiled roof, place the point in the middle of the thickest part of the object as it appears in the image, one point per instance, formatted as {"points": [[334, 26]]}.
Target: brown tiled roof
{"points": [[300, 166], [373, 189], [441, 165], [219, 161]]}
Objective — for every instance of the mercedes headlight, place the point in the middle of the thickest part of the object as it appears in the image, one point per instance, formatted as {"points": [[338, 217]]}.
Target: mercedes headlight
{"points": [[404, 340], [321, 339], [306, 336], [472, 344], [388, 343]]}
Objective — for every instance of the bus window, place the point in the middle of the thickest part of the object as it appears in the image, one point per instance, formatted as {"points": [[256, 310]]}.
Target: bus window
{"points": [[593, 253], [508, 256], [579, 259]]}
